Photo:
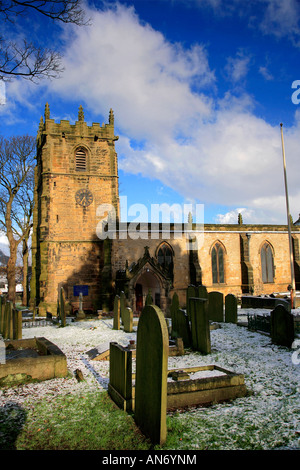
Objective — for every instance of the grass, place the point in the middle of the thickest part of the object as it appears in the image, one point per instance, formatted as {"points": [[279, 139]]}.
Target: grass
{"points": [[71, 422], [75, 422], [93, 422]]}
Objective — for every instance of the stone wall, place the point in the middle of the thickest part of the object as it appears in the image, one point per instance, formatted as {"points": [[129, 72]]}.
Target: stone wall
{"points": [[230, 237], [66, 250]]}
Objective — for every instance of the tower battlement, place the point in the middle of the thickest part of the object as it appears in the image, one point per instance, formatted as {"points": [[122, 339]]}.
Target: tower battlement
{"points": [[80, 129]]}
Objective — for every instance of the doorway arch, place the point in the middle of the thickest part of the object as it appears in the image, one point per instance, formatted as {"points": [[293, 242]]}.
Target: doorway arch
{"points": [[145, 283]]}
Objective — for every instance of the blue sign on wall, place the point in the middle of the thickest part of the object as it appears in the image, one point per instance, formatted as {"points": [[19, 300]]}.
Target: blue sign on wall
{"points": [[83, 289]]}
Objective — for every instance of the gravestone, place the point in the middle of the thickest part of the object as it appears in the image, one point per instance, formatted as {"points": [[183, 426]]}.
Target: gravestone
{"points": [[200, 331], [282, 326], [117, 313], [149, 299], [215, 306], [174, 310], [202, 292], [120, 376], [80, 314], [2, 305], [128, 320], [62, 307], [151, 374], [123, 304], [4, 321], [191, 291], [230, 308], [17, 323], [183, 327]]}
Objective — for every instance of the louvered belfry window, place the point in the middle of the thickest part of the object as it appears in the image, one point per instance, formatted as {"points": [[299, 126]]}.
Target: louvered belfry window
{"points": [[80, 159]]}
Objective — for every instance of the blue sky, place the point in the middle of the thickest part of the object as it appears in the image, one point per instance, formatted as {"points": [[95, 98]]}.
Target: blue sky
{"points": [[198, 88]]}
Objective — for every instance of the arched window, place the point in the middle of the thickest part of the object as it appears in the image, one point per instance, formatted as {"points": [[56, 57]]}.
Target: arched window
{"points": [[165, 258], [81, 159], [267, 263], [217, 264]]}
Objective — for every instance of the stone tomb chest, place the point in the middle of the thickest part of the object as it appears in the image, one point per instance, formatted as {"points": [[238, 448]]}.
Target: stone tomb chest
{"points": [[192, 386], [31, 359]]}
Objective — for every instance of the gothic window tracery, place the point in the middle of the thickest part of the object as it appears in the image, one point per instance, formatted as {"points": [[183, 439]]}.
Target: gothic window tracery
{"points": [[267, 263], [217, 264], [165, 258]]}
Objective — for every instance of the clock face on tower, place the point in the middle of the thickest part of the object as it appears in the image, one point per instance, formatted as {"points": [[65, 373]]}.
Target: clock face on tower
{"points": [[84, 197]]}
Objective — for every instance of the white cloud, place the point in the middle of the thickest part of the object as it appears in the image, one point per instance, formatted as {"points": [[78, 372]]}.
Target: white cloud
{"points": [[120, 63], [281, 18], [237, 67], [231, 217], [265, 73], [212, 152]]}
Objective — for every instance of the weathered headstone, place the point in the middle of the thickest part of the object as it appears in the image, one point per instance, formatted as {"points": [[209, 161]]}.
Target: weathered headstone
{"points": [[282, 326], [215, 306], [4, 322], [117, 313], [62, 307], [2, 307], [183, 328], [128, 320], [80, 314], [200, 331], [34, 309], [17, 323], [151, 374], [123, 304], [149, 298], [191, 291], [202, 292], [120, 376], [174, 311], [230, 308]]}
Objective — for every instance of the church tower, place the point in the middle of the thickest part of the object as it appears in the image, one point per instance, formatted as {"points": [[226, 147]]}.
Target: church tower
{"points": [[76, 172]]}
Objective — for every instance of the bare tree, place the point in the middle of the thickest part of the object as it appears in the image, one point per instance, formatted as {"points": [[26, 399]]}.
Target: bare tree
{"points": [[28, 60], [17, 162], [22, 214]]}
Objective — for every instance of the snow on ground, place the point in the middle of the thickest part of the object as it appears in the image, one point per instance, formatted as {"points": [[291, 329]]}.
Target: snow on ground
{"points": [[271, 373]]}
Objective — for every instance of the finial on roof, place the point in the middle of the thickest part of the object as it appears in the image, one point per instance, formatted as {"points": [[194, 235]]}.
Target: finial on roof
{"points": [[41, 125], [80, 114], [47, 111], [111, 119]]}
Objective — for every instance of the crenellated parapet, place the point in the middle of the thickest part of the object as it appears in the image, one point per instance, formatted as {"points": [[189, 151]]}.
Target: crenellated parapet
{"points": [[80, 129]]}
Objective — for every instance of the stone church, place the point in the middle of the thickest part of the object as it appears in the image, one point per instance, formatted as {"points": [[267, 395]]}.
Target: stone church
{"points": [[76, 174]]}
